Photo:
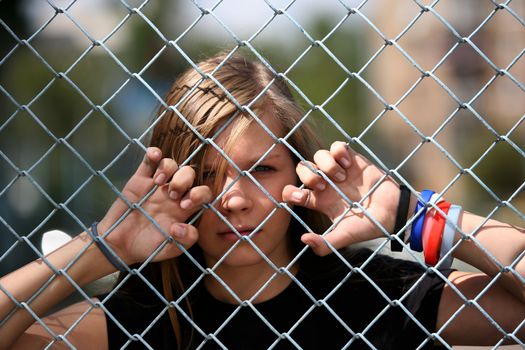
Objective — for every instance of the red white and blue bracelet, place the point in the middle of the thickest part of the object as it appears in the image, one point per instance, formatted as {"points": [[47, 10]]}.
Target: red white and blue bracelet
{"points": [[432, 232]]}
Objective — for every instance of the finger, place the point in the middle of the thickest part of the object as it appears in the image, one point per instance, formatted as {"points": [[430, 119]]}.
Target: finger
{"points": [[329, 166], [167, 167], [308, 177], [341, 153], [181, 182], [321, 244], [183, 233], [195, 198], [150, 162], [303, 197]]}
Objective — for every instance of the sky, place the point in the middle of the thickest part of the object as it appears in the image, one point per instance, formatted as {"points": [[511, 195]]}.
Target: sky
{"points": [[244, 18]]}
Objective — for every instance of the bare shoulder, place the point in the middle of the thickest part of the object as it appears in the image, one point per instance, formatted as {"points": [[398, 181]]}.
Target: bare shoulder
{"points": [[89, 333], [480, 312]]}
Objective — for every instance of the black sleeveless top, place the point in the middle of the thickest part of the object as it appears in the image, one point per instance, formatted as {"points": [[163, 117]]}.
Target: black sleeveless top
{"points": [[393, 307]]}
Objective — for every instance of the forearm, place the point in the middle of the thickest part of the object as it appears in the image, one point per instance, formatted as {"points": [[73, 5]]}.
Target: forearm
{"points": [[506, 243], [24, 282]]}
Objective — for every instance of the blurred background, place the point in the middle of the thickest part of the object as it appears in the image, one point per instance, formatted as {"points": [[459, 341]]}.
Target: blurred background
{"points": [[50, 122]]}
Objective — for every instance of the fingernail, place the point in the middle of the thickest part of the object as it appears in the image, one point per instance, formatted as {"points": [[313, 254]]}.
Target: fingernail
{"points": [[345, 162], [320, 186], [297, 196], [340, 176], [179, 231], [174, 195], [154, 152], [186, 203], [159, 180], [312, 244]]}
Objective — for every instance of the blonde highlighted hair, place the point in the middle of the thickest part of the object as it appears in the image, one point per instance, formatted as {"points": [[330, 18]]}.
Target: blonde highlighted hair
{"points": [[206, 107]]}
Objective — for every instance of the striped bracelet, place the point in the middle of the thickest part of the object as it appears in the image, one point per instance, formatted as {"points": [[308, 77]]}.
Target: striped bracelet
{"points": [[448, 235], [417, 226]]}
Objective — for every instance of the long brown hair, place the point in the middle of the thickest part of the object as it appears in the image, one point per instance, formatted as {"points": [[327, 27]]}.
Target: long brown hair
{"points": [[202, 102]]}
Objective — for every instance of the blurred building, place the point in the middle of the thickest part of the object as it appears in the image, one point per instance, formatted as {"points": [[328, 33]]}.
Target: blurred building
{"points": [[429, 42]]}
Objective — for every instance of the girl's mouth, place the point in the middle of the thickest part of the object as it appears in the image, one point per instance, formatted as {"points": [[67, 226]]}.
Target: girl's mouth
{"points": [[232, 236]]}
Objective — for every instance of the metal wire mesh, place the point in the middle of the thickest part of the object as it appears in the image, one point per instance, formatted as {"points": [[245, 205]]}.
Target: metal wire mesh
{"points": [[509, 136]]}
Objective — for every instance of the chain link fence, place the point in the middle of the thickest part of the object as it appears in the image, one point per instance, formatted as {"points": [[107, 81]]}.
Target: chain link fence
{"points": [[90, 151]]}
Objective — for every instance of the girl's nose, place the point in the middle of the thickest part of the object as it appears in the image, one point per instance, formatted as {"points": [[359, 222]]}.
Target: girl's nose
{"points": [[237, 197]]}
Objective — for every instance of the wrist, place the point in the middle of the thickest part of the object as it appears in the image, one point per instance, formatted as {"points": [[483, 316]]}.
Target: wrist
{"points": [[400, 218], [114, 239], [412, 205], [106, 247], [91, 264]]}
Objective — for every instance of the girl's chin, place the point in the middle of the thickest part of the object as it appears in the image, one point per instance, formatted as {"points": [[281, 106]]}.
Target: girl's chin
{"points": [[242, 256]]}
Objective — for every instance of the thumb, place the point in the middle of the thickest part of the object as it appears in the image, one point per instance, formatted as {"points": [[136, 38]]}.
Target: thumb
{"points": [[303, 197], [185, 234], [324, 245]]}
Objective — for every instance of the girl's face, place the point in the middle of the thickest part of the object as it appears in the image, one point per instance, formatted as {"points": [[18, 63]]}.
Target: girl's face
{"points": [[244, 205]]}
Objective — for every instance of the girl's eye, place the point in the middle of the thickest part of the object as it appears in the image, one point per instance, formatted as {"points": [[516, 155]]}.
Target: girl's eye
{"points": [[208, 175], [263, 168]]}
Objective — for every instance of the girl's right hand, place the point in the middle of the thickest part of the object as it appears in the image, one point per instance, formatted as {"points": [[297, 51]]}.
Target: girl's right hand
{"points": [[172, 203]]}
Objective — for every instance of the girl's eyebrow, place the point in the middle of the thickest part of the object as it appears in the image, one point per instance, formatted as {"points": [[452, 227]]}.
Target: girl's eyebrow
{"points": [[254, 160], [268, 157]]}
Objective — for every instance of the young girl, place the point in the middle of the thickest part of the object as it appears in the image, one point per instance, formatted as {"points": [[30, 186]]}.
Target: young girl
{"points": [[236, 228]]}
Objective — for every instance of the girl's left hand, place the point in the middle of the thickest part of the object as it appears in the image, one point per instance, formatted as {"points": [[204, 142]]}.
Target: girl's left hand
{"points": [[355, 176]]}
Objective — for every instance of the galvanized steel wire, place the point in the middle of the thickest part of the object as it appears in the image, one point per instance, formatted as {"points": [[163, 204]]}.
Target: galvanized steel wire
{"points": [[347, 14]]}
